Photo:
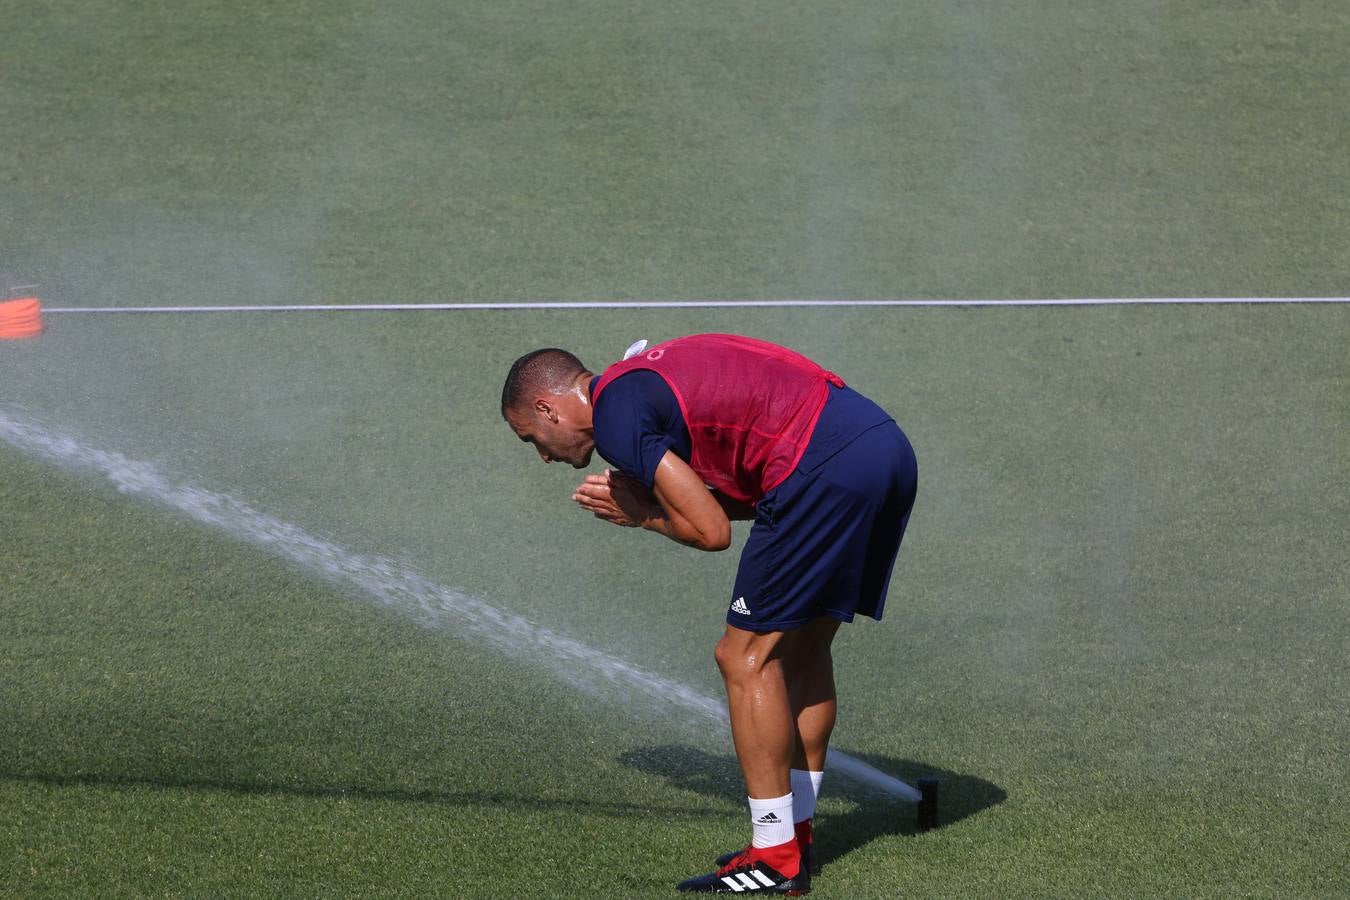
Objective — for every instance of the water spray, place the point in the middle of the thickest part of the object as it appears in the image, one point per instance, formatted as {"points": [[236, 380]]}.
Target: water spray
{"points": [[395, 585]]}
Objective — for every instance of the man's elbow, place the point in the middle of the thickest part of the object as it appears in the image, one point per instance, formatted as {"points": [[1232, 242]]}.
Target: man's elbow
{"points": [[715, 539]]}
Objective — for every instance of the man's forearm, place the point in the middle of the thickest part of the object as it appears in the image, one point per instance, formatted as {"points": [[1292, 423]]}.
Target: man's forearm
{"points": [[676, 528]]}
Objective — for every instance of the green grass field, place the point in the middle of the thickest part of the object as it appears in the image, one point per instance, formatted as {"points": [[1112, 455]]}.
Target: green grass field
{"points": [[1120, 622]]}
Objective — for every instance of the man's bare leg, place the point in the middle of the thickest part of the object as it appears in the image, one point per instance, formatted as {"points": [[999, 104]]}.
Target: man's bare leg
{"points": [[809, 670], [765, 733], [762, 723], [781, 694]]}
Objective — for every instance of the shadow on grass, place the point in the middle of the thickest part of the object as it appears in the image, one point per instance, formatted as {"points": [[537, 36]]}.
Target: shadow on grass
{"points": [[873, 815], [334, 792]]}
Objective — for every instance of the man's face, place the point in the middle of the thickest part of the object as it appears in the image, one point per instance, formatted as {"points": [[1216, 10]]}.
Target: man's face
{"points": [[553, 437]]}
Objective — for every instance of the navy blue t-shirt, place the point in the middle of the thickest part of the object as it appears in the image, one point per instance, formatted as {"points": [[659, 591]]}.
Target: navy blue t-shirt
{"points": [[638, 419]]}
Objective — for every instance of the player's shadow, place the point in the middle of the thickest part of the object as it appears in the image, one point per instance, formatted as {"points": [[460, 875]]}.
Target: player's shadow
{"points": [[873, 814]]}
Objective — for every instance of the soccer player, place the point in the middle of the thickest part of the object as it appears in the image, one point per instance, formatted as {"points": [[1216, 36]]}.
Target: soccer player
{"points": [[708, 428]]}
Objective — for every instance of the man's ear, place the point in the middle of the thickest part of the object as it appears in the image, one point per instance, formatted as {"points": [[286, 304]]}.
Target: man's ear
{"points": [[545, 409]]}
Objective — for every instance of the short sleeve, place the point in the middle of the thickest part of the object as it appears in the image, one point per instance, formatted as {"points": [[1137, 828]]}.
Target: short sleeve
{"points": [[636, 420]]}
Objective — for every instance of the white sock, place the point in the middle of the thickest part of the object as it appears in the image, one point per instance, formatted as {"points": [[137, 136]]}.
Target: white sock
{"points": [[771, 820], [805, 790]]}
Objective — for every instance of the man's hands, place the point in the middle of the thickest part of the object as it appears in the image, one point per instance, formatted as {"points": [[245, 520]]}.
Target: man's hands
{"points": [[617, 499], [680, 506]]}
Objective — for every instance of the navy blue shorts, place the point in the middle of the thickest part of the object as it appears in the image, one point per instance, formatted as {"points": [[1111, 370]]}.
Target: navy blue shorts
{"points": [[825, 540]]}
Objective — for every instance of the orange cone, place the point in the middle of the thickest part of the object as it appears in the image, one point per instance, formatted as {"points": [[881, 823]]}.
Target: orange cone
{"points": [[20, 318]]}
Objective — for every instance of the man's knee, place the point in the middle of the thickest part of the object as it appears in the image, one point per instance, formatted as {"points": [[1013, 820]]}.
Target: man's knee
{"points": [[808, 661], [723, 653], [742, 654], [731, 657], [811, 643]]}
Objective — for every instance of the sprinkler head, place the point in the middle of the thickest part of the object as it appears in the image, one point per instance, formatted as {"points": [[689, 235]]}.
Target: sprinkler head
{"points": [[927, 819]]}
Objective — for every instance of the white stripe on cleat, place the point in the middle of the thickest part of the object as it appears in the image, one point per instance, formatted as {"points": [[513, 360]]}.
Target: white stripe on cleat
{"points": [[763, 879]]}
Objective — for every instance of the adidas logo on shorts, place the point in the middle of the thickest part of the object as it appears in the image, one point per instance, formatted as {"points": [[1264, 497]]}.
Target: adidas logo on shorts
{"points": [[740, 607]]}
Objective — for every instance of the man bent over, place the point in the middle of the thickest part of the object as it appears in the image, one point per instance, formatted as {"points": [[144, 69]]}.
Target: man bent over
{"points": [[708, 428]]}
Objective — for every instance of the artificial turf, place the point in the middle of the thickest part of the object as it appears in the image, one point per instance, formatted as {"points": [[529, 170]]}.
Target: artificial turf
{"points": [[1122, 646], [1119, 625]]}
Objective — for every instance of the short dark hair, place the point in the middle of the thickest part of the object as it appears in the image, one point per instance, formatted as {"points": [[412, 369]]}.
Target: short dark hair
{"points": [[550, 369]]}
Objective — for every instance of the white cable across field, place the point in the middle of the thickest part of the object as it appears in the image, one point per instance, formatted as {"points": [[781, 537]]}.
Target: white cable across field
{"points": [[687, 304]]}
